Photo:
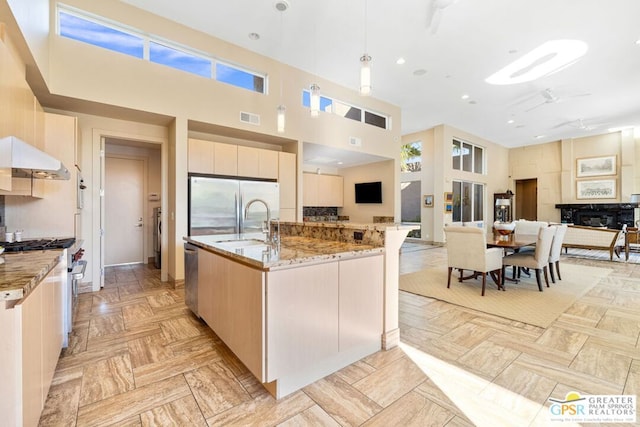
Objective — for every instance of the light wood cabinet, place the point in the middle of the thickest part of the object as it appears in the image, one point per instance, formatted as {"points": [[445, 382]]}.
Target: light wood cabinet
{"points": [[309, 189], [225, 159], [210, 157], [21, 114], [257, 162], [302, 318], [25, 187], [32, 340], [322, 190], [206, 281], [361, 302], [232, 305], [200, 156], [287, 180], [217, 158], [293, 325]]}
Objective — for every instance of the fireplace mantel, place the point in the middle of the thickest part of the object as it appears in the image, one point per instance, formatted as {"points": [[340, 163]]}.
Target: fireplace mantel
{"points": [[610, 215]]}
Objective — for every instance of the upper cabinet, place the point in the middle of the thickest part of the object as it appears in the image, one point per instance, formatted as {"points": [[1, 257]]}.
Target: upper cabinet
{"points": [[212, 157], [322, 190], [217, 158], [21, 115], [257, 162]]}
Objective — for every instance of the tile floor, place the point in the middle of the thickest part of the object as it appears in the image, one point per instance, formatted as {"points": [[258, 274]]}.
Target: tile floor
{"points": [[139, 357]]}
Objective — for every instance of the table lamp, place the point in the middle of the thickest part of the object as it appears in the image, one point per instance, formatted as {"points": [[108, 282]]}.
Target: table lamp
{"points": [[503, 204]]}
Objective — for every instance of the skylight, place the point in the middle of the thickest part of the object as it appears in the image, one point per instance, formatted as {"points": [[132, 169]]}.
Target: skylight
{"points": [[546, 59]]}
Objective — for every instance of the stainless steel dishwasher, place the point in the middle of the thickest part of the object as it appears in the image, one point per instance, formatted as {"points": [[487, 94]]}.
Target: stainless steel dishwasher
{"points": [[191, 277]]}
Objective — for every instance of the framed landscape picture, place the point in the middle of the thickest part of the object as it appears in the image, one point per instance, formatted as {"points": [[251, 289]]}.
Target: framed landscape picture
{"points": [[597, 189], [428, 200], [596, 166]]}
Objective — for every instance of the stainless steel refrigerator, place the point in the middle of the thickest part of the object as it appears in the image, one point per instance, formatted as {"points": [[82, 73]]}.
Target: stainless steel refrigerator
{"points": [[217, 205]]}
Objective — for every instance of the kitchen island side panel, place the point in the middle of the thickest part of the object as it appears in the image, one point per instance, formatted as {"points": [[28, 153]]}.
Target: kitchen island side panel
{"points": [[302, 318]]}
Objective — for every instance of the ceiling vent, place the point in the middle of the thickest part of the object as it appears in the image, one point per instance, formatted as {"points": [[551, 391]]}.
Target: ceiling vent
{"points": [[253, 119]]}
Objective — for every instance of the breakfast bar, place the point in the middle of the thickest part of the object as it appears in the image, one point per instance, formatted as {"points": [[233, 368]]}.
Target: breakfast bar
{"points": [[299, 309]]}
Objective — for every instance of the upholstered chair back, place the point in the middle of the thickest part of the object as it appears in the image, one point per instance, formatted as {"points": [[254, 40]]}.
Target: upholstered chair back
{"points": [[543, 245], [466, 247], [556, 245]]}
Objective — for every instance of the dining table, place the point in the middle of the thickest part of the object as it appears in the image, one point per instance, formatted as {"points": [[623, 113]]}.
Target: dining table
{"points": [[513, 242]]}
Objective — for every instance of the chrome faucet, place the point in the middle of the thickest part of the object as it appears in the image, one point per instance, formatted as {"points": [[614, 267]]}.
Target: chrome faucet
{"points": [[246, 215]]}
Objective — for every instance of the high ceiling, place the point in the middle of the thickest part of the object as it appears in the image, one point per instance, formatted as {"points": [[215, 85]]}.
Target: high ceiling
{"points": [[449, 54]]}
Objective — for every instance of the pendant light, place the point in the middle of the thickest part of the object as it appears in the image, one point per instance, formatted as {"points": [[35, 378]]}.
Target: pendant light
{"points": [[365, 62], [281, 118], [314, 102], [281, 6]]}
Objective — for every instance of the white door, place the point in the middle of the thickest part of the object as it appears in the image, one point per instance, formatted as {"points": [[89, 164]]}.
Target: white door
{"points": [[123, 194]]}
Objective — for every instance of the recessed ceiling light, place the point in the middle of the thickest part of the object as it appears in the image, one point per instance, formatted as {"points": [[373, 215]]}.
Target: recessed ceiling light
{"points": [[539, 136], [511, 121], [638, 42], [254, 36], [465, 96], [548, 58], [400, 61], [420, 72], [282, 5]]}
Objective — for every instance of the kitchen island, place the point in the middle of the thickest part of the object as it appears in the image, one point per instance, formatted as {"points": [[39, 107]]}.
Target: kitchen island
{"points": [[296, 313]]}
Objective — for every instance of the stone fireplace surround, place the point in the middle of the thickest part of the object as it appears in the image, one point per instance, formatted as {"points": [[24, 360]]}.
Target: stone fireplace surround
{"points": [[610, 215]]}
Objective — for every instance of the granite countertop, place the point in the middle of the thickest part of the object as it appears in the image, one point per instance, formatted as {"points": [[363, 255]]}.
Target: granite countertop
{"points": [[294, 250], [20, 272]]}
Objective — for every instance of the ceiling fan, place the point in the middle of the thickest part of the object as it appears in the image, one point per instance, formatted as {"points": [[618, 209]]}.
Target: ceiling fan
{"points": [[550, 97], [434, 13], [585, 125]]}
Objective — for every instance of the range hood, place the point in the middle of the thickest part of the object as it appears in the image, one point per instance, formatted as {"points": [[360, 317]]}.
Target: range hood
{"points": [[26, 161]]}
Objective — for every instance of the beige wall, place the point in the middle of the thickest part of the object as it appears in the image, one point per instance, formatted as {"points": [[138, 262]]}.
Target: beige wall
{"points": [[541, 162], [554, 166], [381, 171]]}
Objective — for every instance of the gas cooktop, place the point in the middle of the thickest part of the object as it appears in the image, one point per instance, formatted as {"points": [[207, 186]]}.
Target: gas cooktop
{"points": [[38, 244]]}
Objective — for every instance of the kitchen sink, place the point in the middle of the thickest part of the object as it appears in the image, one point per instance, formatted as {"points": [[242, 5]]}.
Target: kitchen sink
{"points": [[237, 244]]}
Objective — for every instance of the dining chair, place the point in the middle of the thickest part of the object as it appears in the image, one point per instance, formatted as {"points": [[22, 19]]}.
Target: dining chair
{"points": [[467, 250], [556, 250], [537, 260]]}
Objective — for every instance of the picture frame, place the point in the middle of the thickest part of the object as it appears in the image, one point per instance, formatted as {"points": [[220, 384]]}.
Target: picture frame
{"points": [[427, 200], [448, 208], [596, 166], [596, 189], [448, 197]]}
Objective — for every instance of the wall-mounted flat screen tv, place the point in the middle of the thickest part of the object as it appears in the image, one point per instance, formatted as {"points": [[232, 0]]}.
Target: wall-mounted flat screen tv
{"points": [[369, 192]]}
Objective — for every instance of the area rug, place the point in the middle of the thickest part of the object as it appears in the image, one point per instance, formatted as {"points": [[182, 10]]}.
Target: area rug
{"points": [[521, 301]]}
